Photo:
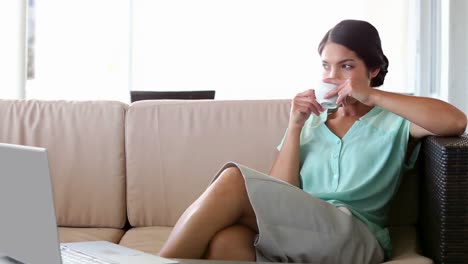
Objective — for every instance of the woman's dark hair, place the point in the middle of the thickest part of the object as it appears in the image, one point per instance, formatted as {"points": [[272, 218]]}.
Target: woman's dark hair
{"points": [[362, 38]]}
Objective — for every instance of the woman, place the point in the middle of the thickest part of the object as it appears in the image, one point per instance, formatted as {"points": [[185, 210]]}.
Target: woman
{"points": [[327, 194]]}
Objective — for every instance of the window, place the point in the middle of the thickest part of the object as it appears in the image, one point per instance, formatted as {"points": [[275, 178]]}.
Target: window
{"points": [[243, 49], [246, 49], [81, 50]]}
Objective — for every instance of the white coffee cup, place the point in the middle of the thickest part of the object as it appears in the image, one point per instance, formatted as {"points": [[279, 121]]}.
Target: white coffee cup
{"points": [[320, 90]]}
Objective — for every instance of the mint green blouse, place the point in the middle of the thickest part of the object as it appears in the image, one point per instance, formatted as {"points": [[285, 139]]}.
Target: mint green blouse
{"points": [[360, 171]]}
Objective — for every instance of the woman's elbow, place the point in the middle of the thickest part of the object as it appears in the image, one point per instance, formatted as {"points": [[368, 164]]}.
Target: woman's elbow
{"points": [[461, 124], [454, 126]]}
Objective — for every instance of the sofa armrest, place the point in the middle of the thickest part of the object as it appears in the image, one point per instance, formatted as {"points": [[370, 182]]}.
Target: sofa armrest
{"points": [[444, 199]]}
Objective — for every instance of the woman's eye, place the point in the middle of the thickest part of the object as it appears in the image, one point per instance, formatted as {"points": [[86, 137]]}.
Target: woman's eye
{"points": [[348, 66], [325, 66]]}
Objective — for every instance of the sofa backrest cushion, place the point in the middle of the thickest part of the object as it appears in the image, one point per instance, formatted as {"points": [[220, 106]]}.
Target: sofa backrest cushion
{"points": [[85, 143], [174, 148]]}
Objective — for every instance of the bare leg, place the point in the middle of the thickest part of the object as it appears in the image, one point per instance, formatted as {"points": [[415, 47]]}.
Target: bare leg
{"points": [[224, 203], [232, 243]]}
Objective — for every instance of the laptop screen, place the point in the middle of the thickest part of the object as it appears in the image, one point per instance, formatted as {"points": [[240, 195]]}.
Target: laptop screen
{"points": [[28, 226]]}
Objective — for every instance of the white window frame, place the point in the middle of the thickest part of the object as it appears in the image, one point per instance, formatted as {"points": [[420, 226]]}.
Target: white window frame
{"points": [[455, 72], [428, 69]]}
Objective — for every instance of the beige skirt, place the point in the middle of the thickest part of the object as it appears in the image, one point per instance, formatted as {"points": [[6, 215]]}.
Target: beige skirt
{"points": [[299, 228]]}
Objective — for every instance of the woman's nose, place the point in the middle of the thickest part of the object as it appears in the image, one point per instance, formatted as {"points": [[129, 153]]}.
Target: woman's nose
{"points": [[333, 73]]}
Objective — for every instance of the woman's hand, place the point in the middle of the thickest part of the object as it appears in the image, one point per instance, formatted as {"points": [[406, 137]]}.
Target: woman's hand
{"points": [[356, 88], [302, 106]]}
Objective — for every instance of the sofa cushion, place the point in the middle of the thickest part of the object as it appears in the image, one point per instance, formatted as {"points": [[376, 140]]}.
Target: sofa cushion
{"points": [[73, 234], [85, 143], [406, 249], [174, 148], [404, 206], [146, 239]]}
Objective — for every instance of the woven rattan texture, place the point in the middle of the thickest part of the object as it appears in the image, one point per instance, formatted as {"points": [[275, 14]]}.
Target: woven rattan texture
{"points": [[444, 199]]}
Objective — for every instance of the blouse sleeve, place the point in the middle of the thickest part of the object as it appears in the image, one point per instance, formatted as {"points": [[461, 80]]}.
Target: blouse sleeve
{"points": [[306, 134]]}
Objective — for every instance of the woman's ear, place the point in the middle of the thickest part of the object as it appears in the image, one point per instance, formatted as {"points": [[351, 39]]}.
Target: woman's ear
{"points": [[374, 72]]}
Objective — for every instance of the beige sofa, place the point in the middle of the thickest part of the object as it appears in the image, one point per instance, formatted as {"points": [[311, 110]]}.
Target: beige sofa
{"points": [[125, 173]]}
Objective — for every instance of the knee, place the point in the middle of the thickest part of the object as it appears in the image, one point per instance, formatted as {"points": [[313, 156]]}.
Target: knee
{"points": [[231, 174], [234, 242], [230, 179]]}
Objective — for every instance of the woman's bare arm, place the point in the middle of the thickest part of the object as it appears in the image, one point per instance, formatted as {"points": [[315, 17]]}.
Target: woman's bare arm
{"points": [[286, 165], [428, 116]]}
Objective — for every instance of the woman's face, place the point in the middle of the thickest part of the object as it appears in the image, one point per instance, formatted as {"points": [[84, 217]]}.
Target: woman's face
{"points": [[340, 63]]}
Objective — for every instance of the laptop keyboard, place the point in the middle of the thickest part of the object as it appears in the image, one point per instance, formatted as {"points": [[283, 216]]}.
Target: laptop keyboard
{"points": [[70, 256]]}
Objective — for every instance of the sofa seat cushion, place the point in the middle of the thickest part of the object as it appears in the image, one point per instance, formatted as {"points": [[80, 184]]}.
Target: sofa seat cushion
{"points": [[405, 245], [146, 239], [71, 234]]}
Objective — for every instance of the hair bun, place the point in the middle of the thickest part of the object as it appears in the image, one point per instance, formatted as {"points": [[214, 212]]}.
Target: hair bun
{"points": [[379, 79]]}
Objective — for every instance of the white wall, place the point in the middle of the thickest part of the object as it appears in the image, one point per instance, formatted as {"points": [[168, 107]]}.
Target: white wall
{"points": [[12, 48], [458, 54]]}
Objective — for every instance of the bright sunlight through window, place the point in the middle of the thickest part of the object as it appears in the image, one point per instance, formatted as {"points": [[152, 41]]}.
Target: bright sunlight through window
{"points": [[243, 49]]}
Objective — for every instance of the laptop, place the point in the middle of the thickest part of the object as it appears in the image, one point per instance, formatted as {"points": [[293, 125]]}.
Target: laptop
{"points": [[28, 229]]}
